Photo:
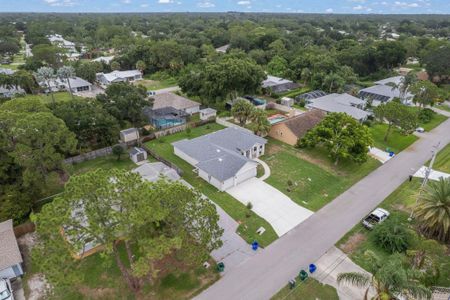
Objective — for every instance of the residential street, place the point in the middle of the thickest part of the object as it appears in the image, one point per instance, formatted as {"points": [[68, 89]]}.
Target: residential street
{"points": [[263, 275]]}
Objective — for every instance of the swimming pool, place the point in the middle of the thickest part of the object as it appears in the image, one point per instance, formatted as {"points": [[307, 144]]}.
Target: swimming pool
{"points": [[276, 119]]}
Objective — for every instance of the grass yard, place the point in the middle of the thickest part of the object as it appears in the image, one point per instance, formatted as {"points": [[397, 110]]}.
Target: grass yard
{"points": [[47, 99], [436, 121], [396, 141], [311, 289], [443, 107], [153, 85], [399, 204], [442, 162], [308, 176], [107, 163], [249, 221]]}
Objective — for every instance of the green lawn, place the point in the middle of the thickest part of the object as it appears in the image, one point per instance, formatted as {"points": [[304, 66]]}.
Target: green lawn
{"points": [[442, 162], [436, 121], [153, 85], [308, 176], [399, 204], [47, 99], [311, 289], [249, 221], [396, 141], [443, 107], [106, 163]]}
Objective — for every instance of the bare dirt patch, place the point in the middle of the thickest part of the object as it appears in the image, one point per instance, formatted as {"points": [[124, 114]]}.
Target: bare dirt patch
{"points": [[353, 243], [97, 293]]}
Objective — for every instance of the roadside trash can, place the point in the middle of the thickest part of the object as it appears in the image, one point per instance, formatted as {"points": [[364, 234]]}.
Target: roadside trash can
{"points": [[302, 275], [391, 153], [312, 268], [292, 284], [220, 267], [255, 245]]}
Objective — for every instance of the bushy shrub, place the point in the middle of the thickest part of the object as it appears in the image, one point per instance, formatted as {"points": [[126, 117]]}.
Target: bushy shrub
{"points": [[302, 102], [392, 235], [425, 115]]}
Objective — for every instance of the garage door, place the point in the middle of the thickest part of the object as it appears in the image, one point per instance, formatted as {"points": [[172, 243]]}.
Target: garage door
{"points": [[245, 175]]}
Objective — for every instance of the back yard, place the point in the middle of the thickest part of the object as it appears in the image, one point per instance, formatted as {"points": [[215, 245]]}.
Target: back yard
{"points": [[308, 176], [310, 289], [47, 99], [249, 221]]}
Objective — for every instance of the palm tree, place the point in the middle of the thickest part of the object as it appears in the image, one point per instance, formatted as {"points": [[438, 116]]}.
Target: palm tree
{"points": [[388, 278], [65, 73], [261, 126], [141, 66], [46, 75], [433, 210], [333, 81], [403, 86], [305, 75], [242, 110]]}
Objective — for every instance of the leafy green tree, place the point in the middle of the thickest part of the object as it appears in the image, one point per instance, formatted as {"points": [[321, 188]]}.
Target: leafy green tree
{"points": [[342, 136], [261, 126], [392, 235], [425, 93], [115, 66], [306, 75], [23, 105], [125, 102], [333, 82], [390, 278], [93, 126], [88, 71], [118, 151], [114, 208], [433, 210], [242, 110], [65, 73], [278, 66], [437, 62], [141, 66], [48, 54], [47, 76], [396, 114]]}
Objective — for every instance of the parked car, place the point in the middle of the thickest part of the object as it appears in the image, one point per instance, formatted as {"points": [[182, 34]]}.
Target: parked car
{"points": [[375, 217], [151, 93], [6, 292], [420, 129]]}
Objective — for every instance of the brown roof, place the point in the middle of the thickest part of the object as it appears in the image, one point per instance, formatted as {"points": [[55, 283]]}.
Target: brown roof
{"points": [[9, 250], [173, 100], [300, 124]]}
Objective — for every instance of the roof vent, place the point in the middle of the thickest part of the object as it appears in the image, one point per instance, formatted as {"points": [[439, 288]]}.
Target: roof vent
{"points": [[218, 150], [220, 159]]}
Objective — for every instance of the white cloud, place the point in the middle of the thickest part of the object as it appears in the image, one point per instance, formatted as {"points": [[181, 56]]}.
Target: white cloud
{"points": [[66, 3], [205, 4], [244, 2], [406, 4], [329, 10], [126, 1], [358, 7], [165, 1], [144, 5]]}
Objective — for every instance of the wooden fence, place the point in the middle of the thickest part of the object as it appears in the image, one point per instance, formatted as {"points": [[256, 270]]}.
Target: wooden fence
{"points": [[89, 155], [162, 159], [24, 228]]}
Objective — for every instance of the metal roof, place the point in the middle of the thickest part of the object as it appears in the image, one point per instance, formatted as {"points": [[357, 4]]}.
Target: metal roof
{"points": [[9, 250]]}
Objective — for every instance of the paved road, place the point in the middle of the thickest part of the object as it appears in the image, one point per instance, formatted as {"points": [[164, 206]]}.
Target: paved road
{"points": [[263, 275]]}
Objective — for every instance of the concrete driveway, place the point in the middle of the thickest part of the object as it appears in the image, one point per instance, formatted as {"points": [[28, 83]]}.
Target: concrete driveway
{"points": [[271, 204]]}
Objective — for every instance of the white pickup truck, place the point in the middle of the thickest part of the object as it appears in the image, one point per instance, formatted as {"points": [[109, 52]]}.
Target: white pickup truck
{"points": [[375, 217]]}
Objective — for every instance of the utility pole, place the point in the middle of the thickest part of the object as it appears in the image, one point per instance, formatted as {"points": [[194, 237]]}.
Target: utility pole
{"points": [[425, 179]]}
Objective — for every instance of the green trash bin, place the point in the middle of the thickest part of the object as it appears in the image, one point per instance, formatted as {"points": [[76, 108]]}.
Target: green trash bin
{"points": [[302, 275], [220, 267]]}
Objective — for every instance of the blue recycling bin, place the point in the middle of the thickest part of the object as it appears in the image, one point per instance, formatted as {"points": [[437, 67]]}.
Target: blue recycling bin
{"points": [[312, 268], [255, 245], [391, 154]]}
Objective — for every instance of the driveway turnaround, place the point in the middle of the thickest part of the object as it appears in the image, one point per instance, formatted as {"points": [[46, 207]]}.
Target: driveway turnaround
{"points": [[263, 275], [271, 204]]}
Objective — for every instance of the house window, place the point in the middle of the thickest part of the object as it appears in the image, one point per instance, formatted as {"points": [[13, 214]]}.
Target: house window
{"points": [[255, 148]]}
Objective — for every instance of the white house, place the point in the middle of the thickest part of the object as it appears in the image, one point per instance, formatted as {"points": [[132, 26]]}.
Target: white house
{"points": [[77, 84], [129, 135], [105, 59], [10, 257], [223, 158], [138, 154], [384, 91], [207, 113], [118, 76], [178, 102]]}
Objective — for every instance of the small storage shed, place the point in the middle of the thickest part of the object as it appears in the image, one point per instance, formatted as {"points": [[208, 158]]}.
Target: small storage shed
{"points": [[138, 154], [129, 135], [286, 101], [207, 113]]}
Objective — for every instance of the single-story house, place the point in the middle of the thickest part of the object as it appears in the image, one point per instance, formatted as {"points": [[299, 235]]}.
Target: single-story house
{"points": [[207, 113], [77, 84], [165, 117], [278, 85], [340, 103], [138, 154], [119, 76], [130, 135], [154, 171], [293, 129], [178, 102], [223, 158], [104, 59], [10, 257], [384, 91]]}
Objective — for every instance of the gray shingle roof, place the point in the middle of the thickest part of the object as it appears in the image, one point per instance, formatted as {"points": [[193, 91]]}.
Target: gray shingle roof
{"points": [[9, 250], [395, 79], [173, 100], [344, 103], [219, 153]]}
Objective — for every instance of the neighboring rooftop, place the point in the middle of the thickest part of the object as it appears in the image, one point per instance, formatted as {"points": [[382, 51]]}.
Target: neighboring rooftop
{"points": [[311, 95], [391, 80], [274, 81], [173, 100], [344, 103], [300, 124], [223, 49], [6, 71], [105, 59], [121, 74], [9, 250]]}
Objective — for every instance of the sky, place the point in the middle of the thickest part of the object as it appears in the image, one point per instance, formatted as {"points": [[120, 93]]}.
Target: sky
{"points": [[282, 6]]}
